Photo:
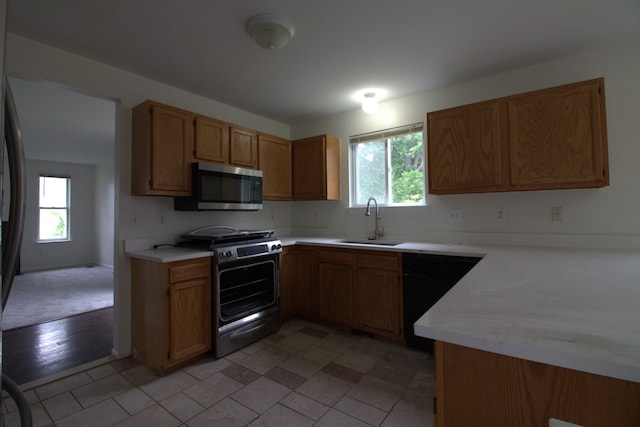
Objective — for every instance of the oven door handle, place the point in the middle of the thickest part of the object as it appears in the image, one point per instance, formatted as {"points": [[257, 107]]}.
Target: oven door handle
{"points": [[241, 334]]}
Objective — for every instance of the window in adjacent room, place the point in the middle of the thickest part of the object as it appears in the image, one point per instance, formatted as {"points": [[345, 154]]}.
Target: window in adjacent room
{"points": [[54, 208], [387, 165]]}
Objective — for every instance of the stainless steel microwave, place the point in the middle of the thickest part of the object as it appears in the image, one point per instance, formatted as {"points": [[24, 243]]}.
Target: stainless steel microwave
{"points": [[222, 187]]}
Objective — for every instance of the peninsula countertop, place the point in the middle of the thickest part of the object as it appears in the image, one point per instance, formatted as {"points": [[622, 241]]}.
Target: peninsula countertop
{"points": [[573, 308]]}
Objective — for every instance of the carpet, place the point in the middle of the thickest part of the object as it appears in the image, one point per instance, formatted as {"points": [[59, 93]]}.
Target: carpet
{"points": [[44, 296]]}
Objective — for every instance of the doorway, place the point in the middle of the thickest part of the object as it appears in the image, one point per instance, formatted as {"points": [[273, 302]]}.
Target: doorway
{"points": [[66, 133]]}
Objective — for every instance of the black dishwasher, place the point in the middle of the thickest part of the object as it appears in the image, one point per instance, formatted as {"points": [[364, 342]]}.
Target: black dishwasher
{"points": [[426, 278]]}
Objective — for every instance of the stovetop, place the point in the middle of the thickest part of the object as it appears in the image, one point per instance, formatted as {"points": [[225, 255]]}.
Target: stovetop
{"points": [[215, 235]]}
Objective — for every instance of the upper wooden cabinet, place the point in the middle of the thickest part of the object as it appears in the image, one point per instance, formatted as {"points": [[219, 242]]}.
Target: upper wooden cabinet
{"points": [[162, 140], [466, 148], [316, 168], [243, 147], [558, 137], [211, 142], [274, 160], [547, 139]]}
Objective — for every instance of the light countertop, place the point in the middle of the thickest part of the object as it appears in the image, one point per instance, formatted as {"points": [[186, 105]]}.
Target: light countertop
{"points": [[169, 254], [573, 308]]}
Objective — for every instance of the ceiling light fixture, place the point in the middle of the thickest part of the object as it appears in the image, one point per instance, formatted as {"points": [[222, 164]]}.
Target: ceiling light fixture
{"points": [[370, 103], [269, 31]]}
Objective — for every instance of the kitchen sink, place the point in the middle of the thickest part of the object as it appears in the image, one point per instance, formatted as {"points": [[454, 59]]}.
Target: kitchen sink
{"points": [[370, 242]]}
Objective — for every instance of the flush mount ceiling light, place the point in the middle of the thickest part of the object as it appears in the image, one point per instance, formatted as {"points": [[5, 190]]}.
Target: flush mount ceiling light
{"points": [[370, 103], [269, 31]]}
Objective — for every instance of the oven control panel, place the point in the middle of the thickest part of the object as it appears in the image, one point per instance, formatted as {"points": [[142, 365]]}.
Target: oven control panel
{"points": [[248, 250]]}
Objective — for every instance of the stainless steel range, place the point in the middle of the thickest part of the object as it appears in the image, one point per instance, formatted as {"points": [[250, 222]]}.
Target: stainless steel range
{"points": [[246, 284]]}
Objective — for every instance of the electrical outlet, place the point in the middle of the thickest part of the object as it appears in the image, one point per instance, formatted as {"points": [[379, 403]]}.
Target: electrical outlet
{"points": [[501, 214], [455, 215], [553, 422], [556, 214], [133, 220]]}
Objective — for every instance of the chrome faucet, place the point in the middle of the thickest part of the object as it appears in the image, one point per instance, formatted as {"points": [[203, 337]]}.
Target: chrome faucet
{"points": [[377, 233]]}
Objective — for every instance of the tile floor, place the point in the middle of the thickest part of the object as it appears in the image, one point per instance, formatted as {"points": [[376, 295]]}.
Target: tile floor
{"points": [[305, 375]]}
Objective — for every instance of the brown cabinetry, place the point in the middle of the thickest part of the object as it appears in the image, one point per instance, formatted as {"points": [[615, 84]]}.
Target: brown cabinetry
{"points": [[378, 294], [274, 160], [305, 284], [171, 311], [358, 289], [335, 286], [211, 140], [316, 168], [479, 388], [287, 282], [243, 147], [547, 139], [162, 141]]}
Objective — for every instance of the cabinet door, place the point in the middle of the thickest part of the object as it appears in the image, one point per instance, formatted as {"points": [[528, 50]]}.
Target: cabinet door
{"points": [[466, 149], [306, 285], [274, 160], [211, 140], [288, 265], [378, 294], [243, 147], [558, 137], [316, 168], [335, 285], [189, 319], [161, 151]]}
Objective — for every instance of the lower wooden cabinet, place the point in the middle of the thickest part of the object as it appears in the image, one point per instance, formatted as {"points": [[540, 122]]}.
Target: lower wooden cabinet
{"points": [[479, 388], [171, 311], [298, 284], [350, 288], [335, 286], [378, 294]]}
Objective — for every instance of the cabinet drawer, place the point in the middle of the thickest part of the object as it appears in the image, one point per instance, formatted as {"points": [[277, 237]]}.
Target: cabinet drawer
{"points": [[335, 257], [189, 270], [383, 262]]}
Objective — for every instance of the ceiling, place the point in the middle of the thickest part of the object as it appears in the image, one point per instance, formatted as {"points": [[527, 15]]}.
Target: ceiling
{"points": [[339, 47]]}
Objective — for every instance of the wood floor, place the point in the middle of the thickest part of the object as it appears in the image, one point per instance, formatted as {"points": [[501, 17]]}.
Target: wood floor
{"points": [[35, 352]]}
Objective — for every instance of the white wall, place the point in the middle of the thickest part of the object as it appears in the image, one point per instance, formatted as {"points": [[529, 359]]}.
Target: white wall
{"points": [[79, 250], [608, 216]]}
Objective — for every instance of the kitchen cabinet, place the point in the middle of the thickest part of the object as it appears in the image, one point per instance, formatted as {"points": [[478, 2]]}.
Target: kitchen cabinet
{"points": [[349, 288], [378, 293], [171, 311], [316, 168], [211, 142], [287, 282], [335, 286], [548, 139], [479, 388], [305, 288], [466, 149], [161, 146], [274, 160], [243, 147]]}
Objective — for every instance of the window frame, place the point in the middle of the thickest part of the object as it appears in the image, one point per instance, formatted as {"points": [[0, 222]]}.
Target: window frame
{"points": [[385, 135], [66, 208]]}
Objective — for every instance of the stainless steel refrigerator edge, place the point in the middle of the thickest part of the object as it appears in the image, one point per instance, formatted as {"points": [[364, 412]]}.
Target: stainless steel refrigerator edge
{"points": [[10, 247]]}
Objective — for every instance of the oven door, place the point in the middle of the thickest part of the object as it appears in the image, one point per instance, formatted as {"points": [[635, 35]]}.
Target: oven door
{"points": [[246, 287]]}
